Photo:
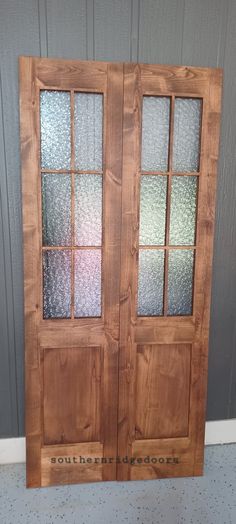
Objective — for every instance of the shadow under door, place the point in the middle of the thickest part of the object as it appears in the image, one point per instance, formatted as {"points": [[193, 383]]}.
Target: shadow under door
{"points": [[118, 183]]}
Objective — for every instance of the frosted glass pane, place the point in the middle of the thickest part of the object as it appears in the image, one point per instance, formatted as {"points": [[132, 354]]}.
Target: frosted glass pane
{"points": [[88, 283], [183, 210], [150, 282], [187, 124], [56, 204], [153, 209], [155, 133], [88, 210], [55, 129], [88, 131], [56, 284], [180, 282]]}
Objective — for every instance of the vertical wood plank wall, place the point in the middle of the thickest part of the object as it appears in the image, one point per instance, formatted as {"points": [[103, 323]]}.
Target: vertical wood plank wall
{"points": [[191, 32]]}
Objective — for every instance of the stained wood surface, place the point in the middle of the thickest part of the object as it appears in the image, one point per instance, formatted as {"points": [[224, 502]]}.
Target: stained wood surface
{"points": [[71, 366], [72, 407], [162, 391], [139, 394], [161, 363]]}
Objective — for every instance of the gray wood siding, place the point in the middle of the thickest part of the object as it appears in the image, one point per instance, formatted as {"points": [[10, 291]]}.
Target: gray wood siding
{"points": [[191, 32]]}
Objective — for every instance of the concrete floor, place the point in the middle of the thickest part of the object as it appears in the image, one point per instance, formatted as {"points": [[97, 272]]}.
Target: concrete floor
{"points": [[201, 500]]}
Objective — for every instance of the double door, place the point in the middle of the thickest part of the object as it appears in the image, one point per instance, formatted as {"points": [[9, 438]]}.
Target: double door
{"points": [[118, 184]]}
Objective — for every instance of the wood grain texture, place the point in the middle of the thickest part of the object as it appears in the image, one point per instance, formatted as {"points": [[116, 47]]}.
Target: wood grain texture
{"points": [[29, 156], [129, 242], [71, 383], [72, 464], [72, 395], [174, 81], [203, 271], [162, 391], [112, 266]]}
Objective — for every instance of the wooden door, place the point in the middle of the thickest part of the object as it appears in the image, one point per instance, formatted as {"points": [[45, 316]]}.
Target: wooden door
{"points": [[118, 186], [71, 147], [170, 148]]}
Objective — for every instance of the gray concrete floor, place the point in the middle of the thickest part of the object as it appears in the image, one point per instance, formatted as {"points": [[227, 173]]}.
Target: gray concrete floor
{"points": [[201, 500]]}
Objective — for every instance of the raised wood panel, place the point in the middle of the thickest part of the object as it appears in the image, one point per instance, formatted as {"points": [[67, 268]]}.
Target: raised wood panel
{"points": [[162, 391], [72, 395]]}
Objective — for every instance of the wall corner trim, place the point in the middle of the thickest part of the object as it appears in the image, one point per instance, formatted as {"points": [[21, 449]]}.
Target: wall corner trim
{"points": [[12, 450]]}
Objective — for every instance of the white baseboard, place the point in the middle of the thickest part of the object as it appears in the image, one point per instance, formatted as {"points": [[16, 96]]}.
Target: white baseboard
{"points": [[12, 450], [220, 432]]}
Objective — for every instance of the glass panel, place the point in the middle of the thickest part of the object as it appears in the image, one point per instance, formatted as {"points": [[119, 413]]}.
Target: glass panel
{"points": [[88, 210], [88, 283], [183, 210], [150, 284], [153, 209], [88, 131], [55, 129], [180, 282], [187, 125], [155, 133], [56, 284], [56, 204]]}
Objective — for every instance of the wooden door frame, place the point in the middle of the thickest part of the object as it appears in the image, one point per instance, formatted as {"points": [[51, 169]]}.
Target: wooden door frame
{"points": [[97, 77], [205, 83], [121, 332]]}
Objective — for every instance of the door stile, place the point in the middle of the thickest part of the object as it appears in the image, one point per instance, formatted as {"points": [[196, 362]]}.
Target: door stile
{"points": [[130, 181], [112, 221], [184, 339], [29, 157], [203, 278]]}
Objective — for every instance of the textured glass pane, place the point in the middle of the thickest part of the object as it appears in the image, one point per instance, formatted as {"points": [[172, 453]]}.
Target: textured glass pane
{"points": [[153, 209], [150, 282], [88, 131], [187, 124], [183, 210], [88, 210], [180, 282], [88, 283], [56, 203], [56, 284], [55, 129], [155, 133]]}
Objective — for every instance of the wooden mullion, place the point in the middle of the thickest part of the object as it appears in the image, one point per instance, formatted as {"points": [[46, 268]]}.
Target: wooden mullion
{"points": [[168, 203], [69, 248], [167, 248], [72, 105], [71, 171], [166, 173]]}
